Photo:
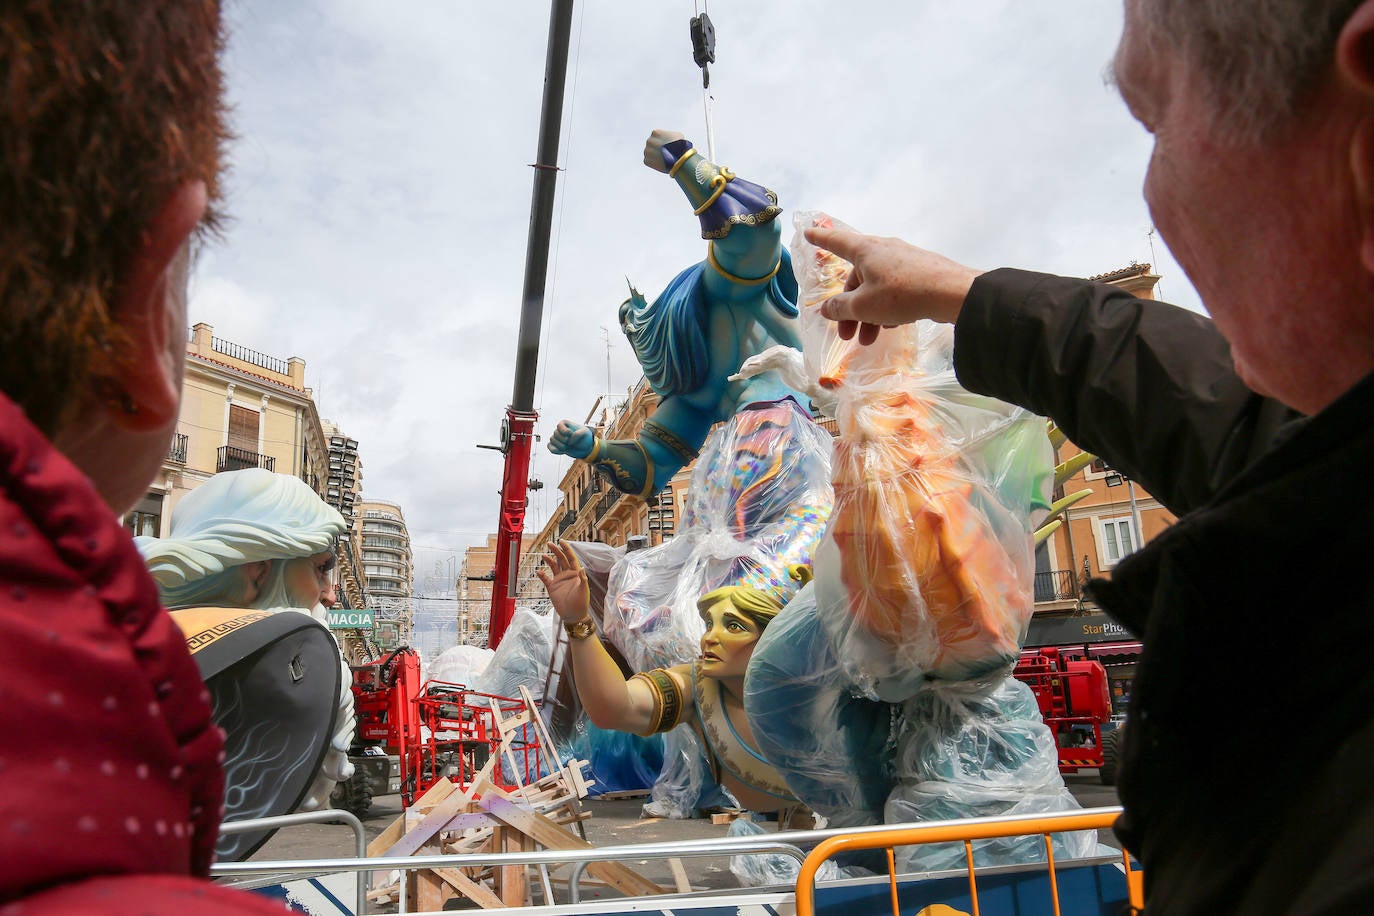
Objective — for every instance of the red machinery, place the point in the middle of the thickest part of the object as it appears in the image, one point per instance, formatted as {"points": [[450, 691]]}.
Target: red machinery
{"points": [[436, 730], [1074, 701]]}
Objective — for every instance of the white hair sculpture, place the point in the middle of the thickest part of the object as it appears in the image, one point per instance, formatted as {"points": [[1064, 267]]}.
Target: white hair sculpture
{"points": [[234, 518]]}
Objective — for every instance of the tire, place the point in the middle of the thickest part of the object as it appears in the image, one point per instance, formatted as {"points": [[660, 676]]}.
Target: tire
{"points": [[1111, 752], [353, 796]]}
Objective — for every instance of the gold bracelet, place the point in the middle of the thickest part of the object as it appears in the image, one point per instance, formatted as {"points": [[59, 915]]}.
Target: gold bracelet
{"points": [[596, 449], [648, 471], [656, 698], [691, 151], [743, 281], [718, 184], [580, 629]]}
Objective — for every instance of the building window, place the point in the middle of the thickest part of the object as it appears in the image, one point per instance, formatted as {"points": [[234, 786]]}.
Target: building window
{"points": [[243, 428], [145, 519], [1117, 539]]}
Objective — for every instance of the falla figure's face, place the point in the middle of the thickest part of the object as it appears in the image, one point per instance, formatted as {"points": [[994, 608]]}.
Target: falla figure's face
{"points": [[729, 641]]}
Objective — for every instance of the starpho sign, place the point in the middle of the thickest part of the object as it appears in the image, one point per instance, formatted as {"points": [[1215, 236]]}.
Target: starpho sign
{"points": [[350, 619]]}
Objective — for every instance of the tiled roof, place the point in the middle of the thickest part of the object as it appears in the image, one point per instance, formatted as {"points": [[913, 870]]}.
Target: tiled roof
{"points": [[241, 371], [1135, 270]]}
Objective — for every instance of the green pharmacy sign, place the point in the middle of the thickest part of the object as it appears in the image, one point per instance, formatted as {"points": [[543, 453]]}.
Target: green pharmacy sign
{"points": [[350, 619]]}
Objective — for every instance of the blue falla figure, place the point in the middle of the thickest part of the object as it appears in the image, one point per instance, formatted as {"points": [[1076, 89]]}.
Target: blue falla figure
{"points": [[760, 491], [736, 303]]}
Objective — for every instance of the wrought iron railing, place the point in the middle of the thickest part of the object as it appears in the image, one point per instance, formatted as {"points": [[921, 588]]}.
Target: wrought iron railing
{"points": [[611, 497], [566, 521], [253, 357], [177, 450], [1056, 585], [236, 459]]}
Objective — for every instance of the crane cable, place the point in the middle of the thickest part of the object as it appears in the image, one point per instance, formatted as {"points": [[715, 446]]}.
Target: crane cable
{"points": [[704, 53]]}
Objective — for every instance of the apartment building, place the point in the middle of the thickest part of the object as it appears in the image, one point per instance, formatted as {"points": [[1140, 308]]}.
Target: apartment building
{"points": [[240, 408], [343, 491], [388, 569], [476, 578]]}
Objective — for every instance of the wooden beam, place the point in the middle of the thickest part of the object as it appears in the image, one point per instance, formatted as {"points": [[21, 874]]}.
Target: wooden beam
{"points": [[548, 834], [441, 815], [478, 893], [388, 837]]}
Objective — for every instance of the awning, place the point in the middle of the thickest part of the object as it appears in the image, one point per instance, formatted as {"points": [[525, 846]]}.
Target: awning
{"points": [[1114, 648]]}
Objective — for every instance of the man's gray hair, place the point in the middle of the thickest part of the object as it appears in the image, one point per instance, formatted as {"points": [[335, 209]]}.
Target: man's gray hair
{"points": [[1257, 60]]}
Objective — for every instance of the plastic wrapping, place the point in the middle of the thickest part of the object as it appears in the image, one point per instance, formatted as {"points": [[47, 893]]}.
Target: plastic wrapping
{"points": [[459, 664], [619, 761], [522, 658], [685, 786], [979, 749], [765, 869], [921, 598], [928, 559], [832, 745], [758, 503]]}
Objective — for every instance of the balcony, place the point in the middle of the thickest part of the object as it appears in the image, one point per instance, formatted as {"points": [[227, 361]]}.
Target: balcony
{"points": [[607, 502], [176, 452], [236, 459], [1056, 585], [252, 357], [566, 520]]}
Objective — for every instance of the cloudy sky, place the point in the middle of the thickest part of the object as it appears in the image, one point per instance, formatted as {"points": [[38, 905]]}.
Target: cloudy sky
{"points": [[381, 187]]}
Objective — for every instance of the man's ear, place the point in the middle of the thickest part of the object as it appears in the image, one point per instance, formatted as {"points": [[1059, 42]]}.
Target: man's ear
{"points": [[148, 310], [254, 574], [1355, 68]]}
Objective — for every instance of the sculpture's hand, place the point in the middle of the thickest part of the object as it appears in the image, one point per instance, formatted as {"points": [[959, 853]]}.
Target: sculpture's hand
{"points": [[572, 439], [653, 148], [566, 582], [892, 283]]}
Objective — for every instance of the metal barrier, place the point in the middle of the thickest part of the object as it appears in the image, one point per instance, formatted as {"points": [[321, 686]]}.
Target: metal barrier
{"points": [[326, 815], [826, 844], [964, 831], [580, 858]]}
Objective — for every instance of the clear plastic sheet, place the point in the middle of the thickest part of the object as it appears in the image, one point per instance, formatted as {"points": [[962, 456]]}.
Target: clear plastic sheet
{"points": [[927, 564], [459, 664], [685, 786], [619, 761], [921, 598], [522, 658], [979, 749], [765, 869], [832, 745], [758, 503]]}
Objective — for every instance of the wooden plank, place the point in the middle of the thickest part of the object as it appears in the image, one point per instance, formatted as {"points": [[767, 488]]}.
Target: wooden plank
{"points": [[506, 734], [680, 875], [468, 820], [430, 892], [511, 881], [388, 837], [478, 893], [441, 815], [545, 739], [547, 833]]}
